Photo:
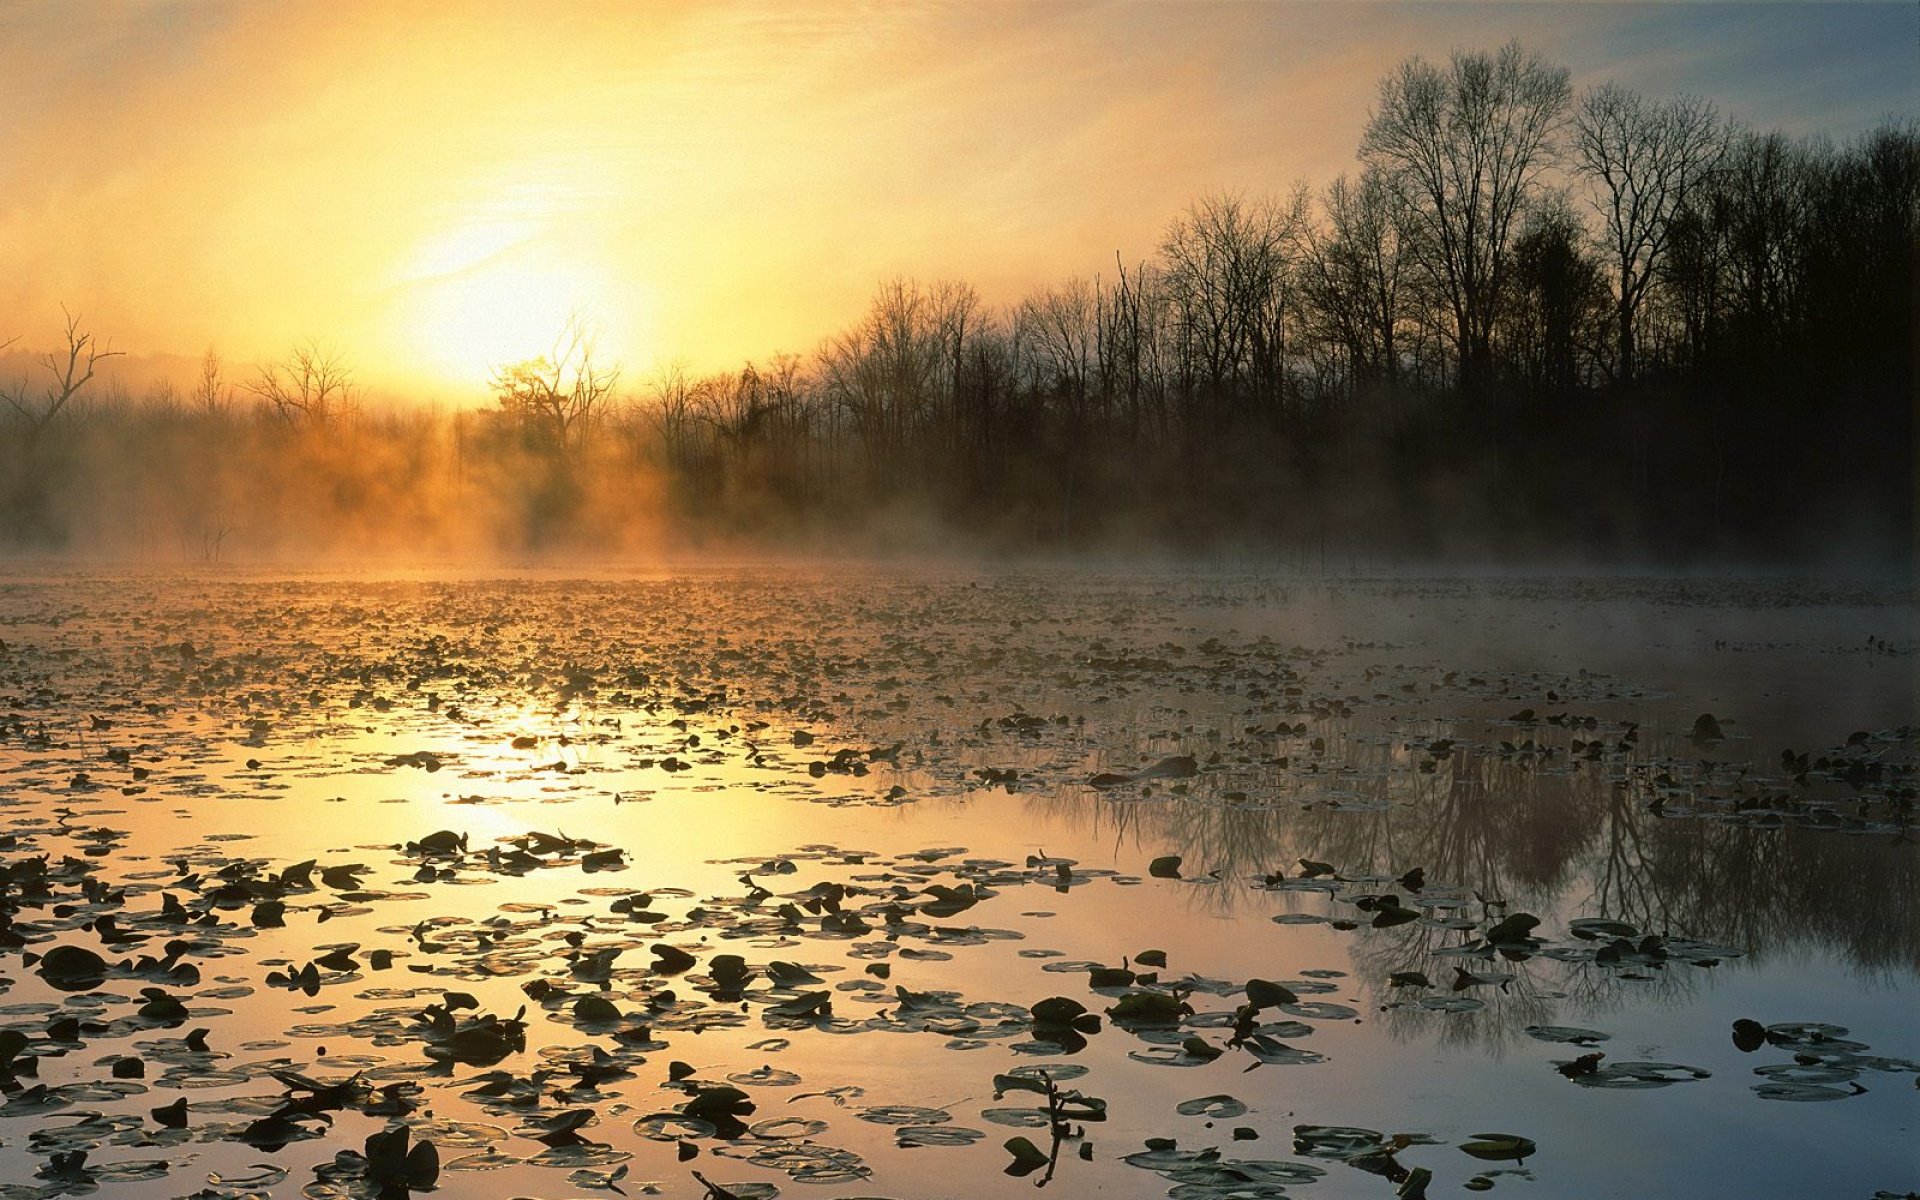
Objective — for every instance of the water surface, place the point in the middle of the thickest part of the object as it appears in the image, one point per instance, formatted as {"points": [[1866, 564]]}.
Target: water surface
{"points": [[539, 868]]}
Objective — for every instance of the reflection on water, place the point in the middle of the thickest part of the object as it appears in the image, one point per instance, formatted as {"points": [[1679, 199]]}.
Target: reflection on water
{"points": [[1562, 844], [596, 884], [1566, 841]]}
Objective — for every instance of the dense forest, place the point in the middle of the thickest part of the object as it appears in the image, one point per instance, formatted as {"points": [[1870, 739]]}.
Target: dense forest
{"points": [[1533, 325]]}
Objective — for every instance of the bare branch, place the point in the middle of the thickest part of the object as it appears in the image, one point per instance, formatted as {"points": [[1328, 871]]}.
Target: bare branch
{"points": [[313, 386], [69, 371], [1644, 159], [1464, 149], [561, 394], [212, 396]]}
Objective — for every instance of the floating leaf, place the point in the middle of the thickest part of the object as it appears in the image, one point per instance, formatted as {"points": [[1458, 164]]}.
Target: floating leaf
{"points": [[787, 975], [806, 1005], [1592, 928], [1640, 1075], [911, 1136], [905, 1114], [1336, 1141], [1027, 1157], [1498, 1147], [1779, 1089], [671, 960], [1142, 1008], [1060, 1011], [72, 968], [1263, 993], [1018, 1083], [1219, 1107], [595, 1008], [720, 1107], [1514, 930], [788, 1127], [1566, 1034], [1273, 1051], [1201, 1049]]}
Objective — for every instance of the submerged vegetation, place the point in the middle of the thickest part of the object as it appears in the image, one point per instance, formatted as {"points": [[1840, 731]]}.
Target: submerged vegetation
{"points": [[650, 886], [1531, 324]]}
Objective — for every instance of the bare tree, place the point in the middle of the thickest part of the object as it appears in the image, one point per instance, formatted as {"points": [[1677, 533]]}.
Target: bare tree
{"points": [[1646, 158], [762, 420], [671, 405], [1062, 327], [12, 395], [885, 373], [69, 372], [1355, 277], [1464, 147], [1228, 270], [1131, 344], [212, 396], [1554, 321], [561, 394], [1771, 185], [163, 400], [314, 386], [957, 319]]}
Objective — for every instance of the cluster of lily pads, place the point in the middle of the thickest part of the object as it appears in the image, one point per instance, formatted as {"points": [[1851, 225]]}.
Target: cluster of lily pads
{"points": [[166, 1009], [632, 981]]}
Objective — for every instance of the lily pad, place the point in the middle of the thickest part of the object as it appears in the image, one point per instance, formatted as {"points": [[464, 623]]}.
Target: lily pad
{"points": [[1220, 1106], [1640, 1075], [1499, 1147]]}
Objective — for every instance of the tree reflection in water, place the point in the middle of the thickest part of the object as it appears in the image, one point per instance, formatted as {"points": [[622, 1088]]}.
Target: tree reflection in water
{"points": [[1555, 835]]}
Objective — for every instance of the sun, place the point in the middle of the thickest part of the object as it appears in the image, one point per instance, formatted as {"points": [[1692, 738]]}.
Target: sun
{"points": [[483, 296]]}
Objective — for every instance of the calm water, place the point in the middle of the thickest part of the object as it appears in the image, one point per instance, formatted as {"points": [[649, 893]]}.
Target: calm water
{"points": [[818, 843]]}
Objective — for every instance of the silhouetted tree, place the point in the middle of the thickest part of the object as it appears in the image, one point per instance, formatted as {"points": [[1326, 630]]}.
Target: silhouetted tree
{"points": [[69, 371], [1768, 184], [1354, 284], [892, 375], [558, 396], [1228, 266], [212, 396], [1464, 148], [312, 387], [1403, 362], [1133, 352], [1645, 159], [32, 461], [1557, 304]]}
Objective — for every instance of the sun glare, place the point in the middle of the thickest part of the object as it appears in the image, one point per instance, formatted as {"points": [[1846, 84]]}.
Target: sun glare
{"points": [[480, 320], [485, 295], [464, 247]]}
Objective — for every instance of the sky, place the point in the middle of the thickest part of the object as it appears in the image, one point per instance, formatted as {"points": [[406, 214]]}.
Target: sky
{"points": [[432, 189]]}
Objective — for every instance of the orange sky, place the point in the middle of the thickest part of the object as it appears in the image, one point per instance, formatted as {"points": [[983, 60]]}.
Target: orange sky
{"points": [[434, 188]]}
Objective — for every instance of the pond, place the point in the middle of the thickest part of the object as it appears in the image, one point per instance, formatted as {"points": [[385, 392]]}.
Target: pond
{"points": [[844, 882]]}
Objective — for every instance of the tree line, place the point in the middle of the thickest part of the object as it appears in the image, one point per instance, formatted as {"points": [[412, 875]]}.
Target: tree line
{"points": [[1531, 322]]}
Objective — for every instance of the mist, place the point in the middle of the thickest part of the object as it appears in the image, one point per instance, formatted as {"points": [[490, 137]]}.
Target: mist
{"points": [[1654, 337]]}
